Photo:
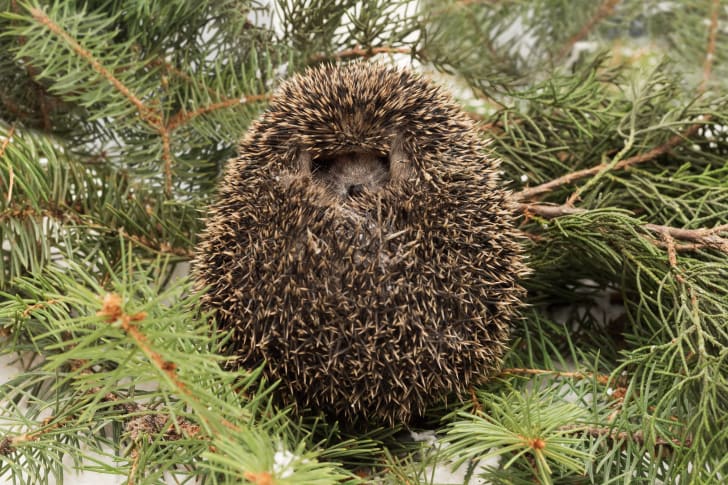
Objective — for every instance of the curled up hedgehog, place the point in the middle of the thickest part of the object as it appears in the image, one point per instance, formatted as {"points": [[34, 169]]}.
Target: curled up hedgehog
{"points": [[362, 247]]}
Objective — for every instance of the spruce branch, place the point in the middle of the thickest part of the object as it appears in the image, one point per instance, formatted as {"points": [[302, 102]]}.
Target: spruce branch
{"points": [[112, 311], [150, 110], [144, 111], [147, 114]]}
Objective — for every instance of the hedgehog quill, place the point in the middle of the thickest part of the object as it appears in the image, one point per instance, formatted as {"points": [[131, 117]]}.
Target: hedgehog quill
{"points": [[362, 246]]}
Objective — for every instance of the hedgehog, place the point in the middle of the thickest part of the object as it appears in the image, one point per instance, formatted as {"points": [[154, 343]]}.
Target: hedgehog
{"points": [[361, 248]]}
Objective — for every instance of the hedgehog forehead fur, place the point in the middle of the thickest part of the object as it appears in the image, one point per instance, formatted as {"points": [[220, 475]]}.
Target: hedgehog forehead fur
{"points": [[362, 247]]}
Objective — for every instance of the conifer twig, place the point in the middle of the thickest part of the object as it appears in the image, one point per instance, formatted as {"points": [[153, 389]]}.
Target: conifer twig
{"points": [[702, 237], [9, 443], [604, 11], [634, 437], [361, 52], [705, 236], [710, 51], [11, 175], [111, 310], [151, 116], [183, 116], [145, 112], [600, 378], [568, 178]]}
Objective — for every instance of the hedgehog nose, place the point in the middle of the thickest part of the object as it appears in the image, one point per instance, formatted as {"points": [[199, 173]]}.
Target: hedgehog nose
{"points": [[355, 190]]}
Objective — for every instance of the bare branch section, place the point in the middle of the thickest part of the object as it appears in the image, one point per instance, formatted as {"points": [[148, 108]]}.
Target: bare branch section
{"points": [[704, 237], [637, 437], [710, 52], [600, 378], [11, 175], [183, 117], [356, 52]]}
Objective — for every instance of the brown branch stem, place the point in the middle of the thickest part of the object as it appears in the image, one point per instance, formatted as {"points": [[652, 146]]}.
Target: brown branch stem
{"points": [[710, 51], [11, 174], [600, 378], [112, 311], [634, 437], [604, 11], [704, 236], [361, 52], [568, 178], [185, 116], [700, 238]]}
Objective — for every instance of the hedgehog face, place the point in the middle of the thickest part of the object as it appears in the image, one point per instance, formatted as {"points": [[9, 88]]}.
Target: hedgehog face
{"points": [[350, 174], [405, 296]]}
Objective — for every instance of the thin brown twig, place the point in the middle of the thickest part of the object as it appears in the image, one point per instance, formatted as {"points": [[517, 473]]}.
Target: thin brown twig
{"points": [[361, 52], [38, 305], [477, 407], [604, 11], [710, 51], [634, 437], [144, 112], [600, 378], [112, 311], [135, 456], [705, 236], [185, 116], [671, 253], [700, 238], [671, 143], [9, 443], [11, 175]]}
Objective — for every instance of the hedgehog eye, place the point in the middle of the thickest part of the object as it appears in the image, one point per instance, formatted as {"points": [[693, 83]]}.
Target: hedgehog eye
{"points": [[321, 165]]}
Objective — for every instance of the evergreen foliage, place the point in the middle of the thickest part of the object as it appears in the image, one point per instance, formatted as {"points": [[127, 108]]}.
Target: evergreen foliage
{"points": [[611, 119]]}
